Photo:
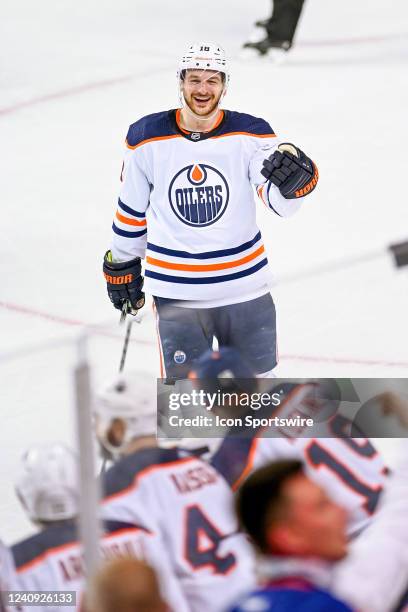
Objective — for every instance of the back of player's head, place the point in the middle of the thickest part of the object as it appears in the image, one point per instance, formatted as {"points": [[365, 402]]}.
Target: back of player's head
{"points": [[261, 500], [224, 369], [48, 483], [125, 585], [126, 409]]}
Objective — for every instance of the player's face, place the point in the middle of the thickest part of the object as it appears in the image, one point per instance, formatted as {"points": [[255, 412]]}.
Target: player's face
{"points": [[202, 90], [314, 525]]}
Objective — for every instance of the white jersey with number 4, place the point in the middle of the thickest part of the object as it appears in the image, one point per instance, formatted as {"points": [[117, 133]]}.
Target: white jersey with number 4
{"points": [[191, 506]]}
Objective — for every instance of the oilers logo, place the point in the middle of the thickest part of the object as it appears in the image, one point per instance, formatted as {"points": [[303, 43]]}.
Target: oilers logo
{"points": [[199, 195]]}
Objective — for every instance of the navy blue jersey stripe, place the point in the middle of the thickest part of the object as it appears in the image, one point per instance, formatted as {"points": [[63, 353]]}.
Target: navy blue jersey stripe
{"points": [[127, 234], [129, 210], [206, 279], [207, 255], [269, 202]]}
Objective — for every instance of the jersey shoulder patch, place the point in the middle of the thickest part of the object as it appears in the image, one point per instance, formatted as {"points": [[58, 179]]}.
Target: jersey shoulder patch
{"points": [[156, 125], [247, 124], [31, 548]]}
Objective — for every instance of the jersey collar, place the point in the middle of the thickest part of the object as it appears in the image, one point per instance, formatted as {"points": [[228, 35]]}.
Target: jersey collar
{"points": [[197, 136]]}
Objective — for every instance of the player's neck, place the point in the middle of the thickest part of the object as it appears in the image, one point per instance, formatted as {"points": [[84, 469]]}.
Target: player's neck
{"points": [[139, 443], [190, 122]]}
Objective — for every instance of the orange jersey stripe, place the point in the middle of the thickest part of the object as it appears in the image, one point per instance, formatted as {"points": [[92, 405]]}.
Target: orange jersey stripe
{"points": [[128, 221], [152, 140], [205, 267], [246, 134]]}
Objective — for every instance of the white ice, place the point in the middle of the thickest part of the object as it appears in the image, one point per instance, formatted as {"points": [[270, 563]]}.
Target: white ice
{"points": [[74, 75]]}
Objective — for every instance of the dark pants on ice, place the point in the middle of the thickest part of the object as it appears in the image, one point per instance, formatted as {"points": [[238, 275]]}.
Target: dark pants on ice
{"points": [[186, 333], [285, 16]]}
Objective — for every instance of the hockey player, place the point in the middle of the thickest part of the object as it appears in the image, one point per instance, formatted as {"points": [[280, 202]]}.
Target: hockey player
{"points": [[187, 208], [51, 560], [350, 469], [175, 494], [309, 564]]}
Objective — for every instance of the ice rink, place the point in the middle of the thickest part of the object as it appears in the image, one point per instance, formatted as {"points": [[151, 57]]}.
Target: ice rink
{"points": [[75, 75]]}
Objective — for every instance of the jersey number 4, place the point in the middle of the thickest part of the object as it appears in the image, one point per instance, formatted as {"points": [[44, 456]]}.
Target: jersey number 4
{"points": [[202, 542]]}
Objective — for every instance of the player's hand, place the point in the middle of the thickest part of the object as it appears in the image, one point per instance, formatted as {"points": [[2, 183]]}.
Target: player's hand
{"points": [[124, 283], [291, 171]]}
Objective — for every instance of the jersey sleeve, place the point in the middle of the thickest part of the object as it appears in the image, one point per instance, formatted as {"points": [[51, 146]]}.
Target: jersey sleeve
{"points": [[267, 191], [129, 227], [375, 573]]}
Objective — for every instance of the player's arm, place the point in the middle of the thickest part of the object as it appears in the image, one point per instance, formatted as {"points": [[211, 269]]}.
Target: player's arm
{"points": [[283, 175], [122, 263], [375, 573]]}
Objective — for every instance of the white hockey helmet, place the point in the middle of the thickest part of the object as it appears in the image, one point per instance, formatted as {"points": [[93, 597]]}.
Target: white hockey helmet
{"points": [[47, 486], [204, 56], [130, 398]]}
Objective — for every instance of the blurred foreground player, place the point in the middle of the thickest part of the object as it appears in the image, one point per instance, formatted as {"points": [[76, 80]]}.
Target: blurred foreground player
{"points": [[350, 469], [302, 534], [126, 585], [174, 494], [187, 208], [280, 27], [8, 579], [52, 559]]}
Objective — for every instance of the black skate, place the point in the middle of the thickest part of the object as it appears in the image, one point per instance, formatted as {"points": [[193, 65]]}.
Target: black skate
{"points": [[262, 47]]}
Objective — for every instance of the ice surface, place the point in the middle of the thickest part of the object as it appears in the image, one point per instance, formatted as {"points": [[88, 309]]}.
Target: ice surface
{"points": [[75, 75]]}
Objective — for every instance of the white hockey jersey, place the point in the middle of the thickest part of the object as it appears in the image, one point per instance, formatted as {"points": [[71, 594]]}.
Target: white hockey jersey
{"points": [[8, 580], [52, 561], [351, 470], [191, 506], [187, 206]]}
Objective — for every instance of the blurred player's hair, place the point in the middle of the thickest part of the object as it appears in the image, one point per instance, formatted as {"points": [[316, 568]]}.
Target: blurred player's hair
{"points": [[261, 502], [125, 585]]}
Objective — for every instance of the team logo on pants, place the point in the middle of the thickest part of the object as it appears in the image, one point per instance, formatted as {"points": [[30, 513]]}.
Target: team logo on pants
{"points": [[199, 195]]}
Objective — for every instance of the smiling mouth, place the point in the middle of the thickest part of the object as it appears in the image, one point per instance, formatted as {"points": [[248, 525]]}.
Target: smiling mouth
{"points": [[202, 100]]}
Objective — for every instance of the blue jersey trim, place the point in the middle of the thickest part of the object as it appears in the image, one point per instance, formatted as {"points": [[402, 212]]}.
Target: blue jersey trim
{"points": [[129, 210], [242, 122], [206, 279], [208, 254], [123, 473], [150, 126], [127, 234]]}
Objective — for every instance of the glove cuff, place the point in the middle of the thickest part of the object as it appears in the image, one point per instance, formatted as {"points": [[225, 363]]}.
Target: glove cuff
{"points": [[120, 265]]}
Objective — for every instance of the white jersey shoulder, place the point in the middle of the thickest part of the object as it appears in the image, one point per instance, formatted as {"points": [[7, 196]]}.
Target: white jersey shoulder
{"points": [[53, 560]]}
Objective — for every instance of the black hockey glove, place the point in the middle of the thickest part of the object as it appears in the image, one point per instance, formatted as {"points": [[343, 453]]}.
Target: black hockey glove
{"points": [[291, 171], [124, 283]]}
